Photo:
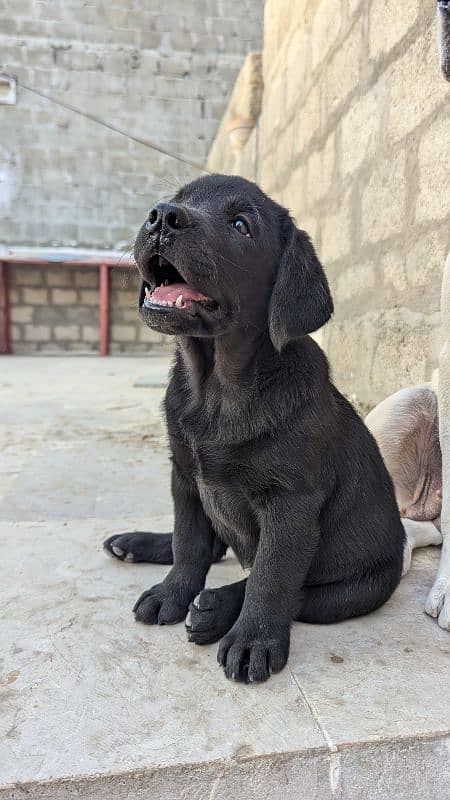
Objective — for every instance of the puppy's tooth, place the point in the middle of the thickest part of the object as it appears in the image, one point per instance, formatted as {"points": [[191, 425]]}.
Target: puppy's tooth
{"points": [[166, 282], [188, 621], [179, 301], [196, 601]]}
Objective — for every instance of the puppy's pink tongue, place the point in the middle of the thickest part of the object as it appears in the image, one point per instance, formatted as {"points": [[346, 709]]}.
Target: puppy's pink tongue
{"points": [[171, 293]]}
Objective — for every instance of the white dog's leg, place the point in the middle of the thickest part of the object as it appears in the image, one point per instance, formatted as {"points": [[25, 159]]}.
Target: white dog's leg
{"points": [[418, 534], [444, 36], [438, 601]]}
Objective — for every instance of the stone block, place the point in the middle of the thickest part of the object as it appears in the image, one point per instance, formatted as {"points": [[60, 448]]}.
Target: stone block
{"points": [[123, 333], [384, 199], [182, 40], [297, 70], [80, 347], [16, 334], [78, 60], [325, 29], [433, 199], [89, 297], [308, 119], [34, 297], [388, 24], [59, 277], [354, 5], [403, 341], [294, 195], [79, 314], [27, 276], [175, 66], [64, 297], [424, 264], [37, 333], [22, 313], [86, 278], [360, 130], [416, 70], [335, 229], [273, 103], [67, 332], [126, 314], [151, 337], [348, 344], [284, 150], [344, 70], [354, 281], [393, 269], [49, 315], [125, 298], [89, 333], [320, 171]]}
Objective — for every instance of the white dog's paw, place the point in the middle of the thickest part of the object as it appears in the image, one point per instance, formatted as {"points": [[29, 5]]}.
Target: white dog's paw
{"points": [[438, 603]]}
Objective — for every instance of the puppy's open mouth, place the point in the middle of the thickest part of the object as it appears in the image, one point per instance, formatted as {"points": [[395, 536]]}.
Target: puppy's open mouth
{"points": [[170, 290]]}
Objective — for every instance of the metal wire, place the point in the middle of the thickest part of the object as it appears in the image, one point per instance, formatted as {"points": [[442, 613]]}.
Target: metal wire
{"points": [[109, 125]]}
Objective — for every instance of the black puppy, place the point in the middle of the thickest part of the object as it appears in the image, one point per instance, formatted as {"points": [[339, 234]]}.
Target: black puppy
{"points": [[268, 458]]}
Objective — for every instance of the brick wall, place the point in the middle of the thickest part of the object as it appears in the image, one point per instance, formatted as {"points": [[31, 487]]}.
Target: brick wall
{"points": [[354, 137], [55, 309], [162, 72]]}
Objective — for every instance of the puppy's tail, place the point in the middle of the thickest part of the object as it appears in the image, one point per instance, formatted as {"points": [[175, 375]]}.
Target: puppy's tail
{"points": [[153, 548]]}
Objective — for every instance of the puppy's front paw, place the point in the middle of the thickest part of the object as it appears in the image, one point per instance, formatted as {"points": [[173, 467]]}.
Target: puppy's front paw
{"points": [[213, 612], [161, 605], [438, 602], [249, 653]]}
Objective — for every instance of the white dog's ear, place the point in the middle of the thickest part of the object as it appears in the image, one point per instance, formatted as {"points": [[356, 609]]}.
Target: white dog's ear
{"points": [[301, 301]]}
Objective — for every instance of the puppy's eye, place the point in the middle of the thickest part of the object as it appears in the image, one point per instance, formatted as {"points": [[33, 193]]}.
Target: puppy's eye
{"points": [[241, 226]]}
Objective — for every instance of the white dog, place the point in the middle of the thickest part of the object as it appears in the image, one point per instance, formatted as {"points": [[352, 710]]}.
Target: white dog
{"points": [[415, 439]]}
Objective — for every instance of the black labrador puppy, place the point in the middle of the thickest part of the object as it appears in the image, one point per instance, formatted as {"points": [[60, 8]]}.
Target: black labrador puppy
{"points": [[268, 457]]}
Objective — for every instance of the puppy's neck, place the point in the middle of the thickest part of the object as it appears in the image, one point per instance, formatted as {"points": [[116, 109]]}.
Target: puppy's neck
{"points": [[232, 358]]}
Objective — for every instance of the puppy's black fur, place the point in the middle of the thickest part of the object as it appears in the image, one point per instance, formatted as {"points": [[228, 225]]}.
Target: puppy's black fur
{"points": [[268, 457]]}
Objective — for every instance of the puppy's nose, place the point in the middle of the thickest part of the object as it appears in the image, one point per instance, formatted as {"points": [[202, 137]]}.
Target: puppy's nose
{"points": [[168, 216]]}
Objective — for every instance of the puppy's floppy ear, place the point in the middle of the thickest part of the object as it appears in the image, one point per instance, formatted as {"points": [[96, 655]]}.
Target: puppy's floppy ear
{"points": [[301, 300]]}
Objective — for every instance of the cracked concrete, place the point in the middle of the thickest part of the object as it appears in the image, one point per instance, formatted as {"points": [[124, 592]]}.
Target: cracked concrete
{"points": [[95, 706]]}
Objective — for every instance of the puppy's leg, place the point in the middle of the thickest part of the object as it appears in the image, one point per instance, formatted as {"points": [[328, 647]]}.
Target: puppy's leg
{"points": [[418, 534], [154, 548], [213, 612], [258, 642], [193, 553], [334, 602]]}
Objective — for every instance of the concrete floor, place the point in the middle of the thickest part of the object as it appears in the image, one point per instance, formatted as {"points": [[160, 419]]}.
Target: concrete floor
{"points": [[97, 706]]}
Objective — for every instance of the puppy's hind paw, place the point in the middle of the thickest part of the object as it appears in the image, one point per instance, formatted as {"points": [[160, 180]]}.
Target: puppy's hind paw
{"points": [[123, 547], [154, 548]]}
